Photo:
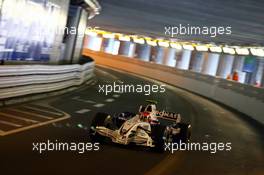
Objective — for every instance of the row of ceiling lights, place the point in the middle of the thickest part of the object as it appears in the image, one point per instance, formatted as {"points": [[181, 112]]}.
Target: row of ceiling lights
{"points": [[255, 51]]}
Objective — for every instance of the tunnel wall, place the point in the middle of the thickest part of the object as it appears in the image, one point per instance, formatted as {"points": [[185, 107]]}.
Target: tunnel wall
{"points": [[57, 54], [244, 98], [80, 36], [32, 30]]}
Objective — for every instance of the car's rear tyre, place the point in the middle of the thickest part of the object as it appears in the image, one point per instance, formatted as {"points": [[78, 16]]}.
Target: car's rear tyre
{"points": [[157, 134]]}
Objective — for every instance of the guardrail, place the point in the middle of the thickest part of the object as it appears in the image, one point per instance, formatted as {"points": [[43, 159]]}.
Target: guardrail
{"points": [[20, 80], [244, 98]]}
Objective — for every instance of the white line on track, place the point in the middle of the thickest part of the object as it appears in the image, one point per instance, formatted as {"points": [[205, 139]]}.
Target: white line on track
{"points": [[82, 111], [42, 110], [75, 98], [89, 101], [33, 114], [109, 100], [82, 100], [18, 118], [33, 126], [99, 105], [10, 124], [116, 95]]}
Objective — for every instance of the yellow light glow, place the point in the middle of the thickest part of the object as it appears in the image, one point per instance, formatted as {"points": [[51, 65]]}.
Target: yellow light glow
{"points": [[124, 38], [242, 51], [108, 35], [229, 50], [176, 45], [139, 40], [216, 49], [257, 52], [152, 43], [164, 43], [90, 33], [101, 32], [202, 48], [188, 47]]}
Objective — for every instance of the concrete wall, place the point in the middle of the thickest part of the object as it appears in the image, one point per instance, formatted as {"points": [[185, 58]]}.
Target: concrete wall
{"points": [[80, 38], [61, 51], [57, 52], [244, 98], [38, 28]]}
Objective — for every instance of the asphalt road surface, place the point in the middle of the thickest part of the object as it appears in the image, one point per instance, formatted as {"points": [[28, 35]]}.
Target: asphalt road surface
{"points": [[211, 123]]}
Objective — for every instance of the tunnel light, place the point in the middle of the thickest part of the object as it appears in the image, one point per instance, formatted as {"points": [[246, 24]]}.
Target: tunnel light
{"points": [[90, 33], [242, 51], [108, 35], [139, 40], [202, 48], [152, 42], [188, 47], [124, 38], [101, 32], [257, 52], [164, 43], [216, 49], [229, 50], [176, 46]]}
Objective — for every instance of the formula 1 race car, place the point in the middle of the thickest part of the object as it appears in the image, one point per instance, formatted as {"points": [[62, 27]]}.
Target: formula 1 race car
{"points": [[144, 128]]}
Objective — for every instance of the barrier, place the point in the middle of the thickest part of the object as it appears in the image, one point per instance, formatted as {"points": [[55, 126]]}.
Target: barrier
{"points": [[20, 80], [244, 98]]}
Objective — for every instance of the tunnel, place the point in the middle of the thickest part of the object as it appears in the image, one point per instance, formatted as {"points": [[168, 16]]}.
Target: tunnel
{"points": [[132, 87]]}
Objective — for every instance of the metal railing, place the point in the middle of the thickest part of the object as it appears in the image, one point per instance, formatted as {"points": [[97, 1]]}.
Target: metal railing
{"points": [[19, 80]]}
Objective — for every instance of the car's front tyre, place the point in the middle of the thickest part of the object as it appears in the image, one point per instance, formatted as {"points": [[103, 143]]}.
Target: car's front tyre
{"points": [[157, 134], [185, 133], [100, 119]]}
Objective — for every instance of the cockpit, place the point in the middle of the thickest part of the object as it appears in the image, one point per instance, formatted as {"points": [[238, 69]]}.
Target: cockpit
{"points": [[149, 108]]}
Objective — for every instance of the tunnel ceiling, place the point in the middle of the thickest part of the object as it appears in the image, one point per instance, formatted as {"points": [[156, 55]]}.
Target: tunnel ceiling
{"points": [[149, 17]]}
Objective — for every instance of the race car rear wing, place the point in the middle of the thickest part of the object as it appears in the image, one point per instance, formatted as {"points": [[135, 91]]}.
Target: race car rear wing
{"points": [[169, 115]]}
